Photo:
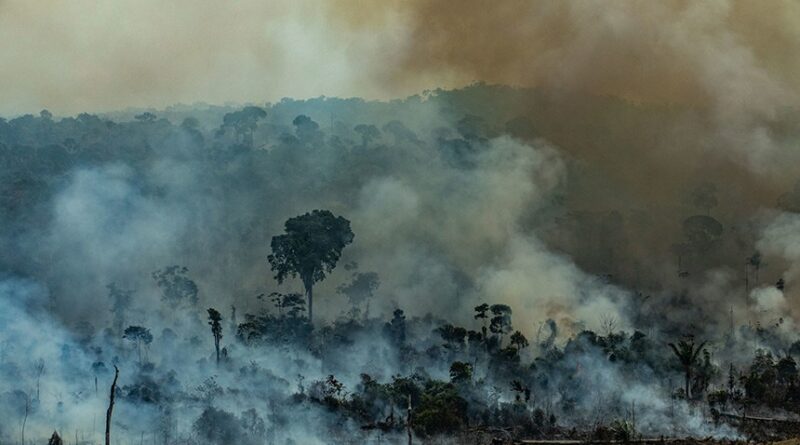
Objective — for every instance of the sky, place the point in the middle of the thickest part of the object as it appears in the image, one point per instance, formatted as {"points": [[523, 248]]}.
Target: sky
{"points": [[104, 55]]}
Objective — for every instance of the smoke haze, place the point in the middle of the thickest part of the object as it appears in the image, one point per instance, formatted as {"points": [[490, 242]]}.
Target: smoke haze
{"points": [[597, 167]]}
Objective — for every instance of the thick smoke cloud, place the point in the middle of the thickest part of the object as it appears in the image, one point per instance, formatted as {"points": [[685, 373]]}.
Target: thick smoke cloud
{"points": [[641, 174], [78, 56]]}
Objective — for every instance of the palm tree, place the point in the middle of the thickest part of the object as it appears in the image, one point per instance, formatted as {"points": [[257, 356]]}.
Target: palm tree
{"points": [[687, 354]]}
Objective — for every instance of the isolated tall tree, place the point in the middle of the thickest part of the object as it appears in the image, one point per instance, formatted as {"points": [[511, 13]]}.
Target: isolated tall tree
{"points": [[120, 302], [214, 320], [687, 354], [110, 409], [140, 336], [310, 248]]}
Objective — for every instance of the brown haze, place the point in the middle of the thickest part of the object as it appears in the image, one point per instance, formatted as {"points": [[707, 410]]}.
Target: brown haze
{"points": [[647, 99], [79, 55]]}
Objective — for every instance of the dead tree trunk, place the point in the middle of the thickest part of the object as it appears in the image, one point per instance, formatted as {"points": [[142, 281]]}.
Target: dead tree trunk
{"points": [[111, 405], [408, 420], [25, 420], [308, 283]]}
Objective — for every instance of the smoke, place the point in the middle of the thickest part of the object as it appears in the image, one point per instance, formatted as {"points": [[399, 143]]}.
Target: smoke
{"points": [[633, 175], [728, 56], [110, 55]]}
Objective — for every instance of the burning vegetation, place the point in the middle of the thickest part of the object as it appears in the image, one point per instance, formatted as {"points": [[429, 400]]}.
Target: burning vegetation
{"points": [[477, 273]]}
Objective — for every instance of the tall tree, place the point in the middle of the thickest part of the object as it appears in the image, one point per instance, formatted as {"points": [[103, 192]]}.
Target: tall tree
{"points": [[360, 289], [310, 248], [519, 341], [140, 336], [120, 302], [110, 410], [687, 354], [176, 287], [244, 122], [214, 320]]}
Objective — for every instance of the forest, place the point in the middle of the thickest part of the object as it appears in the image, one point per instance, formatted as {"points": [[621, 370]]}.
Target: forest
{"points": [[488, 264]]}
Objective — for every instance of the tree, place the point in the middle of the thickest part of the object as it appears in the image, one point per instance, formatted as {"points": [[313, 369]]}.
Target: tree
{"points": [[110, 410], [396, 329], [704, 197], [214, 319], [702, 232], [500, 323], [176, 287], [310, 248], [244, 123], [120, 302], [756, 263], [307, 131], [145, 117], [216, 426], [38, 367], [55, 439], [480, 313], [687, 354], [452, 335], [360, 289], [519, 341], [368, 133], [140, 336], [460, 372]]}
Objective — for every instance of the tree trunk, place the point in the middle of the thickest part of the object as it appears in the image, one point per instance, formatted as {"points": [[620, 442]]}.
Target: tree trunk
{"points": [[688, 382], [111, 405], [308, 284], [408, 420], [25, 420]]}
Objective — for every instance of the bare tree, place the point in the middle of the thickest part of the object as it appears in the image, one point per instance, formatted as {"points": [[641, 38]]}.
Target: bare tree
{"points": [[39, 368], [608, 324], [408, 420], [25, 419], [111, 405]]}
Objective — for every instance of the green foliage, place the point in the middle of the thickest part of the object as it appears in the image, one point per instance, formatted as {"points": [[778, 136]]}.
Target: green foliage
{"points": [[460, 372], [518, 340], [453, 336], [244, 122], [138, 334], [622, 430], [500, 322], [310, 248], [218, 427], [441, 410]]}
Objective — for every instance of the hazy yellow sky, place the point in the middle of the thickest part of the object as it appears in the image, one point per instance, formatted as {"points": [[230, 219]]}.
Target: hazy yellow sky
{"points": [[79, 55]]}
